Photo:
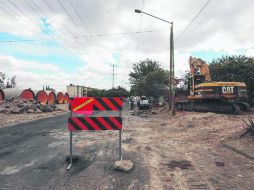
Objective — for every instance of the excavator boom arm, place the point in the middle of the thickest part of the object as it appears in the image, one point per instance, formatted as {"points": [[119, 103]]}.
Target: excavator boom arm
{"points": [[198, 65]]}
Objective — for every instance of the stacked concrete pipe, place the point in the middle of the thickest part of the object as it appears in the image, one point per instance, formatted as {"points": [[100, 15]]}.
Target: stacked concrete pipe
{"points": [[1, 95], [66, 98], [51, 97], [27, 94], [60, 98], [41, 96]]}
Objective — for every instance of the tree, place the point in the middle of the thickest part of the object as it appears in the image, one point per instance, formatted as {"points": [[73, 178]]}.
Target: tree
{"points": [[182, 86], [48, 88], [13, 82], [9, 84], [95, 93], [234, 69], [116, 92], [148, 78], [2, 78]]}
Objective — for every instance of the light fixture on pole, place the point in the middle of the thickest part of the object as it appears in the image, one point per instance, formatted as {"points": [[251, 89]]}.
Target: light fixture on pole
{"points": [[171, 102]]}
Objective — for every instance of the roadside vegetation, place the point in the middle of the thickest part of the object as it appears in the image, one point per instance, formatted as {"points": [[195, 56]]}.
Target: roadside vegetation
{"points": [[148, 78], [249, 126], [10, 83], [114, 92], [234, 68]]}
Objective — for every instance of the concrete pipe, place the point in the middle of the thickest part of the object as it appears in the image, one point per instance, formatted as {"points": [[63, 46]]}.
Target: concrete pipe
{"points": [[41, 96], [27, 94], [60, 98], [51, 97], [66, 98], [1, 95]]}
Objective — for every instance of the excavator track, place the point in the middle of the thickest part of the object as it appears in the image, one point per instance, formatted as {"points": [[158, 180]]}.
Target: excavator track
{"points": [[244, 106], [217, 107]]}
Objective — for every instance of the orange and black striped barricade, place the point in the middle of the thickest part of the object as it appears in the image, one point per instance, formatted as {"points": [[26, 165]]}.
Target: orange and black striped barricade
{"points": [[86, 107]]}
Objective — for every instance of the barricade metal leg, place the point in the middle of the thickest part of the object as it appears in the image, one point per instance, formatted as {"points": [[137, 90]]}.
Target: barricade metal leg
{"points": [[120, 144], [120, 140], [70, 163]]}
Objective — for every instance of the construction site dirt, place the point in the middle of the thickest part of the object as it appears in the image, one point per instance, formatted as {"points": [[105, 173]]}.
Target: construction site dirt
{"points": [[190, 150]]}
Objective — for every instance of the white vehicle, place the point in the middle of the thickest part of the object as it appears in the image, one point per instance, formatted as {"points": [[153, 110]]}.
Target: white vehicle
{"points": [[143, 103]]}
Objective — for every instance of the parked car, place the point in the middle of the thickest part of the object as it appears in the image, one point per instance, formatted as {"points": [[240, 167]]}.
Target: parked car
{"points": [[143, 103]]}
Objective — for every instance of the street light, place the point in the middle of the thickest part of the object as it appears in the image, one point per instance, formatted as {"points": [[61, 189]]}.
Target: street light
{"points": [[171, 103], [137, 11]]}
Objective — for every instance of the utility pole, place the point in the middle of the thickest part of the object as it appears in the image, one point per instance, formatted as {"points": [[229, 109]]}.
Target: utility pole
{"points": [[113, 75], [172, 74], [171, 93]]}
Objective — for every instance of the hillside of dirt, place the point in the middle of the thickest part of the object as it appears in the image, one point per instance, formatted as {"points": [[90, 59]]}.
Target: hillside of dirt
{"points": [[193, 150]]}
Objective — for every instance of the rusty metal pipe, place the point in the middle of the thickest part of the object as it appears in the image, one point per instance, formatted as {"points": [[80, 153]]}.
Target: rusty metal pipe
{"points": [[51, 97], [60, 98], [66, 98], [41, 96], [27, 94]]}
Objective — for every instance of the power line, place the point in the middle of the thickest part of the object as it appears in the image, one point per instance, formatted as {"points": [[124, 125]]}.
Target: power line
{"points": [[6, 8], [100, 46], [77, 13], [9, 10], [34, 4], [21, 11], [71, 19], [47, 5], [53, 12], [28, 3], [79, 17], [27, 18], [56, 44], [37, 7], [197, 15], [84, 36]]}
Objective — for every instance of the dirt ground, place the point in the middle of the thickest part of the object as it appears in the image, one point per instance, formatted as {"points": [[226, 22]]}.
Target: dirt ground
{"points": [[188, 151], [193, 150], [11, 119]]}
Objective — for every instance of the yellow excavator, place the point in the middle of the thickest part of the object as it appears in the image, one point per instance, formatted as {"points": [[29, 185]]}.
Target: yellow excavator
{"points": [[209, 96]]}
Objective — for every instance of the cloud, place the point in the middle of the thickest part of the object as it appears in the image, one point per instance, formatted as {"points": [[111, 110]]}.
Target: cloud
{"points": [[11, 64], [224, 26], [31, 74]]}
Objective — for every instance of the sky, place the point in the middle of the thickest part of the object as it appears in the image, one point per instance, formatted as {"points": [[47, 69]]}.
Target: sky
{"points": [[62, 42]]}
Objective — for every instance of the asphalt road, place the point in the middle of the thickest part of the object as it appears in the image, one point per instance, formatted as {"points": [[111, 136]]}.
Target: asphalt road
{"points": [[32, 158]]}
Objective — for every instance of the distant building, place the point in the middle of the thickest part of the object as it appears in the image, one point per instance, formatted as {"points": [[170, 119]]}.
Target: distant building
{"points": [[77, 91]]}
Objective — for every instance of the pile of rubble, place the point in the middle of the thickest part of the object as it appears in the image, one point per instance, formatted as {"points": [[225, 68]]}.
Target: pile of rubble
{"points": [[18, 106], [147, 112]]}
